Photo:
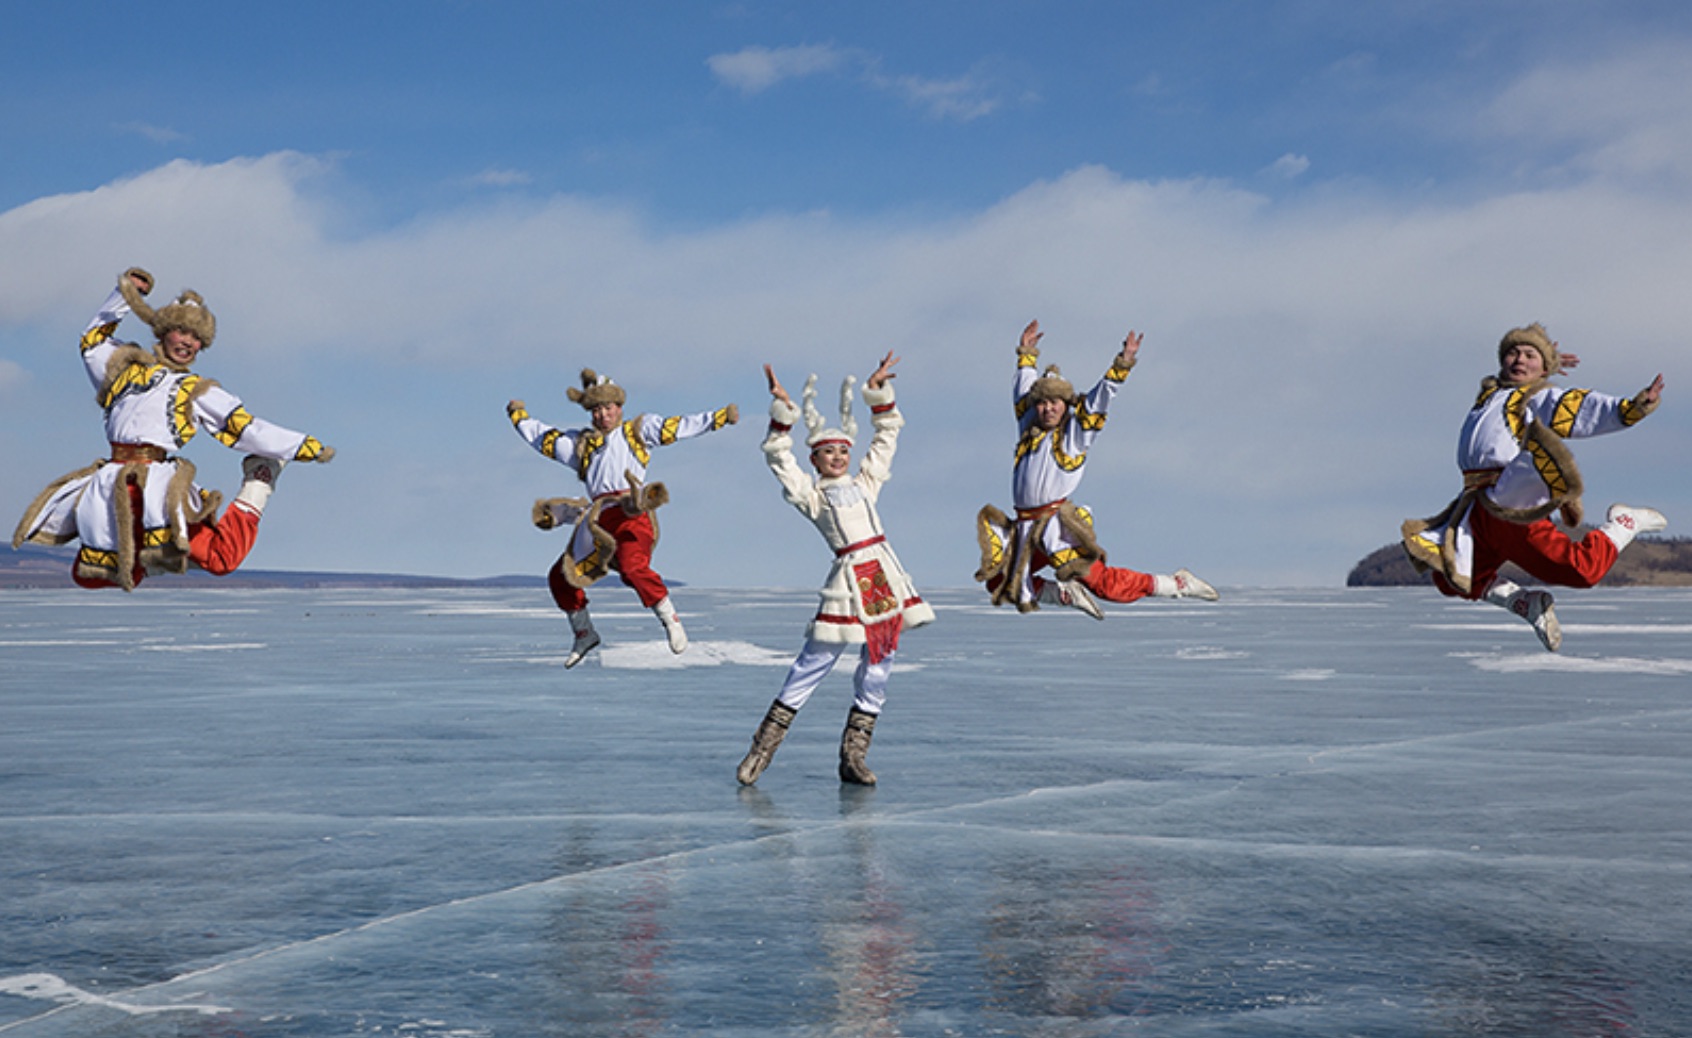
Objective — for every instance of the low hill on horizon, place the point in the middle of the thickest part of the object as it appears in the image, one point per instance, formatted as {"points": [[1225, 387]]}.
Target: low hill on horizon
{"points": [[1647, 562], [34, 567]]}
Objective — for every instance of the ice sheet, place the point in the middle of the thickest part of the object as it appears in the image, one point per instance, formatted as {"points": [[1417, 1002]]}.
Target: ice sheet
{"points": [[1298, 812]]}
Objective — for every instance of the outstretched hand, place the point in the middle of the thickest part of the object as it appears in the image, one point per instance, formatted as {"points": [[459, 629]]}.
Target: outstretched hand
{"points": [[1565, 361], [884, 372], [514, 406], [1130, 349], [776, 389], [1652, 393], [1030, 342]]}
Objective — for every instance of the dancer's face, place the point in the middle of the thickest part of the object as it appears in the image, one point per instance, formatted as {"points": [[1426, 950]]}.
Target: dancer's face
{"points": [[180, 347], [607, 417], [1523, 363], [1048, 414], [832, 459]]}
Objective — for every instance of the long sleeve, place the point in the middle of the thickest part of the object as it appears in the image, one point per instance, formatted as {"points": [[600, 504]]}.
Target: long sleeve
{"points": [[797, 487], [557, 444]]}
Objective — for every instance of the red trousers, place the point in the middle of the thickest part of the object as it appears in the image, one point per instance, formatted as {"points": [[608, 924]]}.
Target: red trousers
{"points": [[1544, 551], [1111, 583], [217, 546], [632, 559]]}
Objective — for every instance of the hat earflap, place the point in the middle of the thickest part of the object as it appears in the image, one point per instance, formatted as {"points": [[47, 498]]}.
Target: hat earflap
{"points": [[820, 433]]}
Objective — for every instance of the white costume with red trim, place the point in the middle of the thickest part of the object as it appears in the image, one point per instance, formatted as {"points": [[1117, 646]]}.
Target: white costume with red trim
{"points": [[868, 598], [866, 586]]}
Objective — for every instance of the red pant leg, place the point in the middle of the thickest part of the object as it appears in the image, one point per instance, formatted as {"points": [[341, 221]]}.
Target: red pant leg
{"points": [[1115, 584], [568, 597], [220, 547], [633, 559], [1541, 549]]}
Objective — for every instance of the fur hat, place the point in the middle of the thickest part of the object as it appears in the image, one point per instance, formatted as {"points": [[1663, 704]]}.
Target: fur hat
{"points": [[1051, 385], [820, 432], [596, 389], [1532, 335], [187, 312]]}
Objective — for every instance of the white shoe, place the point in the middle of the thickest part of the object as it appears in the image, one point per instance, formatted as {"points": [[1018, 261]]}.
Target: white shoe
{"points": [[586, 641], [1536, 607], [673, 630], [1189, 586], [258, 480], [1624, 522], [1070, 593]]}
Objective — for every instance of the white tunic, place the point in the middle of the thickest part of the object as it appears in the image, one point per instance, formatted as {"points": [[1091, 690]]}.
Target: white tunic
{"points": [[866, 585], [147, 403], [1527, 476], [1048, 470], [613, 458]]}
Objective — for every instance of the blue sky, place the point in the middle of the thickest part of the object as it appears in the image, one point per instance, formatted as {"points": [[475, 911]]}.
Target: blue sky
{"points": [[1321, 214]]}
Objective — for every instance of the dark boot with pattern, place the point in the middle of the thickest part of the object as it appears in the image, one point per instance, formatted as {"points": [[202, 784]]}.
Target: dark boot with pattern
{"points": [[764, 742], [854, 744]]}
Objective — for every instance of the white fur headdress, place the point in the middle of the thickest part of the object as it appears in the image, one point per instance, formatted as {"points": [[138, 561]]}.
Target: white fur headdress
{"points": [[820, 432]]}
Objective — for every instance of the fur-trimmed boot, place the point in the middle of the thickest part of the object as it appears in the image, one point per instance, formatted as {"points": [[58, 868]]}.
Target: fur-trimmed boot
{"points": [[1533, 606], [1622, 523], [586, 640], [1182, 584], [665, 610], [854, 744], [770, 732], [258, 481], [1070, 593]]}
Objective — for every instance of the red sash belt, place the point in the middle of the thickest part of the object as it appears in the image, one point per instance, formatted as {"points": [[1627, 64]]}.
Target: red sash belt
{"points": [[850, 548], [1042, 511]]}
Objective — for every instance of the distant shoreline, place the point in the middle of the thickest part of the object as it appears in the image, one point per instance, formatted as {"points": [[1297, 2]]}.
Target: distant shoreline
{"points": [[31, 568]]}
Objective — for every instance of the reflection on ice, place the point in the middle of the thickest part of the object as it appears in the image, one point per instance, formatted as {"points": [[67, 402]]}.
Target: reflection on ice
{"points": [[1299, 813]]}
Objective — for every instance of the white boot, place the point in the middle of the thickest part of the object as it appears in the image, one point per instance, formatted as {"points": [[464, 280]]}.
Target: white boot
{"points": [[258, 481], [587, 639], [1533, 606], [1182, 585], [666, 613], [1070, 593], [1622, 523]]}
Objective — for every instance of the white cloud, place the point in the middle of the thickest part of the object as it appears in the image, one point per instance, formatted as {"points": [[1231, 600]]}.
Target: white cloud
{"points": [[156, 134], [1307, 359], [12, 377], [753, 70], [962, 99], [1288, 166], [1627, 113]]}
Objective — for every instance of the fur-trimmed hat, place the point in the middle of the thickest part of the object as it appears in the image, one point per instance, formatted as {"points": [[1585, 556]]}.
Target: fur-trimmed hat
{"points": [[187, 312], [1051, 385], [820, 431], [596, 390], [1536, 336]]}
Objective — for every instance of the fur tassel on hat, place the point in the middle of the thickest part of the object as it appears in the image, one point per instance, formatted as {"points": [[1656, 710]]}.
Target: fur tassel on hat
{"points": [[1051, 385], [820, 432], [187, 312], [596, 390]]}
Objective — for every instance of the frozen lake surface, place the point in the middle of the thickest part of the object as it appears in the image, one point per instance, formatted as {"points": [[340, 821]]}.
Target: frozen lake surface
{"points": [[1310, 812]]}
